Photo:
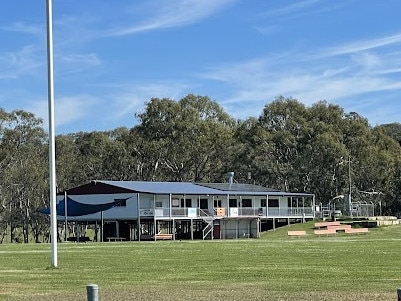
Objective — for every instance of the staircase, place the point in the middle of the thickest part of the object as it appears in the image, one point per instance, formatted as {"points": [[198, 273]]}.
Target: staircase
{"points": [[208, 228]]}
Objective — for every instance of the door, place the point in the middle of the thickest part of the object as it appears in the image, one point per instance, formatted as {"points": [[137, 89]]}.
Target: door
{"points": [[216, 230]]}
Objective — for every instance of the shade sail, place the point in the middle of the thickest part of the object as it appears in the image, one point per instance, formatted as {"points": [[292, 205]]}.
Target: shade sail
{"points": [[75, 208]]}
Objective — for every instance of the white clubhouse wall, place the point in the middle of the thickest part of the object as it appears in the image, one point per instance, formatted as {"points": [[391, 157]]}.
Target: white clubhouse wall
{"points": [[148, 202]]}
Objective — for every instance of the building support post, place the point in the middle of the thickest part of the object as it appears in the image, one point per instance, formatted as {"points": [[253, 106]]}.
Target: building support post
{"points": [[138, 218], [192, 229], [174, 229], [101, 226], [65, 217]]}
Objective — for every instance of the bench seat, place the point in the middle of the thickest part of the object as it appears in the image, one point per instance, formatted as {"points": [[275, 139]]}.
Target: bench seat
{"points": [[356, 230], [325, 231], [296, 233], [340, 227], [163, 236]]}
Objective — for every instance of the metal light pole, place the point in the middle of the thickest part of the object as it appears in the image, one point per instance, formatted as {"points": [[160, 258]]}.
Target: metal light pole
{"points": [[52, 152], [348, 200], [349, 178]]}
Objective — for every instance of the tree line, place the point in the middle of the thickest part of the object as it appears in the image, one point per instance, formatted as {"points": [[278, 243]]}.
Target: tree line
{"points": [[319, 149]]}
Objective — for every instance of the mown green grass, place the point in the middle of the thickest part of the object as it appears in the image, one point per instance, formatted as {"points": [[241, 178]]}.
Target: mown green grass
{"points": [[275, 267]]}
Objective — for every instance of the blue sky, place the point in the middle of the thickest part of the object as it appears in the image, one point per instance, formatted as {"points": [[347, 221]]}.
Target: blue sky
{"points": [[111, 57]]}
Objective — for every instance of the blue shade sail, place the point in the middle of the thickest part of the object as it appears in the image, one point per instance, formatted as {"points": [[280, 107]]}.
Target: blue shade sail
{"points": [[75, 208]]}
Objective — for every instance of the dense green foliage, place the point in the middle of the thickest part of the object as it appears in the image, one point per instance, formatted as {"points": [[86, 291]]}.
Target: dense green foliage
{"points": [[275, 267], [289, 147]]}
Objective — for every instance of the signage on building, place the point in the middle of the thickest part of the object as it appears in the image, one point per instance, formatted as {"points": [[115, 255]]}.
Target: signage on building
{"points": [[146, 212]]}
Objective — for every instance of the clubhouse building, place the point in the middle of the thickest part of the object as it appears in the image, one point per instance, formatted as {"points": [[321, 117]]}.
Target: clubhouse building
{"points": [[139, 210]]}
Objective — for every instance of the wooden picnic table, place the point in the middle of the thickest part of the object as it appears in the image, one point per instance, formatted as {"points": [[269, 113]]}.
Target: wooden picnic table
{"points": [[326, 224]]}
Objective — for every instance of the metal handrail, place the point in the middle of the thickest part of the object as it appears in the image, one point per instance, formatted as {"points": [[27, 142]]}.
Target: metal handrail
{"points": [[241, 211]]}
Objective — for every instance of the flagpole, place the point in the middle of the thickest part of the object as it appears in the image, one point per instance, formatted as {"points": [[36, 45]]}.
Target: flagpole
{"points": [[52, 152]]}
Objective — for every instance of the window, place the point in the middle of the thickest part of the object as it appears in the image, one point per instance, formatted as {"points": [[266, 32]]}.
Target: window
{"points": [[175, 203], [246, 202], [263, 203], [121, 202], [186, 203], [292, 202], [273, 203], [217, 203], [159, 204], [203, 204], [233, 203]]}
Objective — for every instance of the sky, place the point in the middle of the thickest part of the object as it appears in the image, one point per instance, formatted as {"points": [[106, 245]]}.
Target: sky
{"points": [[111, 57]]}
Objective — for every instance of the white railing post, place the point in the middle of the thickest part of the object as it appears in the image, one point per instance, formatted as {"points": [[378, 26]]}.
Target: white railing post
{"points": [[92, 292]]}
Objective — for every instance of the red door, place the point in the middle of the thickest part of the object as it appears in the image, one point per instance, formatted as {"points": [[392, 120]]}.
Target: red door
{"points": [[216, 231]]}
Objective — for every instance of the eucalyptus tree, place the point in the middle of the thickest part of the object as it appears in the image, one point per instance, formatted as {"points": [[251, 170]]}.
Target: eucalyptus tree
{"points": [[393, 130], [255, 159], [94, 150], [296, 148], [24, 172], [143, 155], [285, 122], [377, 170], [323, 152], [68, 162], [188, 140], [117, 163]]}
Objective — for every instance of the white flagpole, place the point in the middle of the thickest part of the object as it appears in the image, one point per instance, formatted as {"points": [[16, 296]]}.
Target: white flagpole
{"points": [[52, 152]]}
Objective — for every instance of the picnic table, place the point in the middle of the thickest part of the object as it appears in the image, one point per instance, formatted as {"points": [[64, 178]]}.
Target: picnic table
{"points": [[327, 224]]}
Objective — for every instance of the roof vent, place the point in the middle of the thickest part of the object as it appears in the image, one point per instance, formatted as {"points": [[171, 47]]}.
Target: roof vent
{"points": [[230, 176]]}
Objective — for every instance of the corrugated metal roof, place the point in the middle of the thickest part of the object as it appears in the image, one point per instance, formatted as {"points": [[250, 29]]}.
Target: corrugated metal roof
{"points": [[238, 187], [189, 188], [164, 187]]}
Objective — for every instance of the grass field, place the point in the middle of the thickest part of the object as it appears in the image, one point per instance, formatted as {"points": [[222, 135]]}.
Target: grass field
{"points": [[275, 267]]}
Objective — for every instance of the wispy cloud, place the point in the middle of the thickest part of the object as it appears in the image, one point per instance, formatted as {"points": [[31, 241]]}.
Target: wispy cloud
{"points": [[78, 62], [291, 9], [174, 13], [301, 9], [312, 77], [88, 58], [131, 97], [19, 63], [21, 27], [68, 109], [115, 108], [363, 45]]}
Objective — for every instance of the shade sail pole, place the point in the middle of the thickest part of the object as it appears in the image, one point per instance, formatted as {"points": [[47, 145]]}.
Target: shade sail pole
{"points": [[52, 152], [65, 217]]}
